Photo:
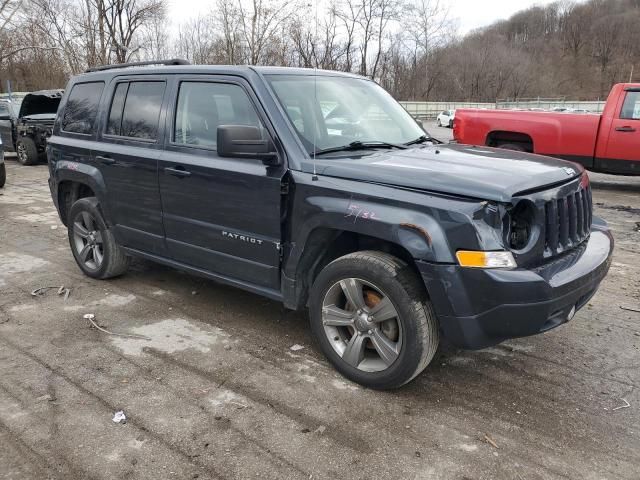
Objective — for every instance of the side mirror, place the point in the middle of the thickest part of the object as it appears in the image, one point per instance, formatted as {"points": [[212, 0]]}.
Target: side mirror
{"points": [[245, 141]]}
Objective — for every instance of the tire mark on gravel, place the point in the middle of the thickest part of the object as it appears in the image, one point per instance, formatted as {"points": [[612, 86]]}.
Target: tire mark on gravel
{"points": [[111, 408]]}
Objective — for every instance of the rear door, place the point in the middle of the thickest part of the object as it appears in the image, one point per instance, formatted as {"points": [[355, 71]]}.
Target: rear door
{"points": [[130, 145], [221, 215], [623, 146]]}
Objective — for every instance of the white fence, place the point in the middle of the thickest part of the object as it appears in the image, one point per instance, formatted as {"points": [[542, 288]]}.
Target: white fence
{"points": [[432, 109]]}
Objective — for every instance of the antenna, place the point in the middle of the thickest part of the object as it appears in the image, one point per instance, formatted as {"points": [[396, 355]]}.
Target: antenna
{"points": [[314, 178]]}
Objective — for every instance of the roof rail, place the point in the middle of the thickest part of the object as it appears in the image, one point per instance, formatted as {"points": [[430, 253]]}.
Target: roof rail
{"points": [[173, 61]]}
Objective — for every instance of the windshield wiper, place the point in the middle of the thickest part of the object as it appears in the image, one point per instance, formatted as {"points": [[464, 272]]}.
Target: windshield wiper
{"points": [[423, 139], [358, 145]]}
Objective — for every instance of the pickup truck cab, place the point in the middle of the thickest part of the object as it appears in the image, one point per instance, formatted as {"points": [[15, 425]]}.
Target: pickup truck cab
{"points": [[608, 143], [318, 190]]}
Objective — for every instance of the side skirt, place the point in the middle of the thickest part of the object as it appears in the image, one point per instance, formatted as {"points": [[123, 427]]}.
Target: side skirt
{"points": [[249, 287]]}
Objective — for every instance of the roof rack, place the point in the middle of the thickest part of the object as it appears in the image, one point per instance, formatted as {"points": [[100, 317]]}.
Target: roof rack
{"points": [[173, 61]]}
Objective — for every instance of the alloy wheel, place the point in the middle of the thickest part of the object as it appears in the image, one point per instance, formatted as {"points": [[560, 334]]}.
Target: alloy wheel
{"points": [[22, 153], [88, 241], [362, 325]]}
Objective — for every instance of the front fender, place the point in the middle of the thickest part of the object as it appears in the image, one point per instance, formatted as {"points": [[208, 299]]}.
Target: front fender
{"points": [[417, 232]]}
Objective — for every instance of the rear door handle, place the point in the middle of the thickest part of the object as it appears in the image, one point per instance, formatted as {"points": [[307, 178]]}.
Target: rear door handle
{"points": [[177, 171], [625, 129], [105, 160]]}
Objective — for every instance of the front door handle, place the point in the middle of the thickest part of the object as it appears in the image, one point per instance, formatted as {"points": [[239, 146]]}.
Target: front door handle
{"points": [[625, 129], [177, 172], [105, 160]]}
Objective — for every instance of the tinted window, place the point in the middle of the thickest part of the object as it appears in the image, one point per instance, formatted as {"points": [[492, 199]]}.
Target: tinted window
{"points": [[631, 107], [204, 106], [142, 110], [82, 108], [115, 113]]}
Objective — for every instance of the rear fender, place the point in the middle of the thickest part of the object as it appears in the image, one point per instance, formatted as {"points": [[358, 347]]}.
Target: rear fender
{"points": [[65, 170]]}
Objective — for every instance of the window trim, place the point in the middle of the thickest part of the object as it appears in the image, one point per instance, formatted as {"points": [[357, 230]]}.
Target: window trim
{"points": [[129, 80], [170, 142], [96, 122]]}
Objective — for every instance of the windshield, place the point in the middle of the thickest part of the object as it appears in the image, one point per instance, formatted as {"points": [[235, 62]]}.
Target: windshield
{"points": [[329, 112]]}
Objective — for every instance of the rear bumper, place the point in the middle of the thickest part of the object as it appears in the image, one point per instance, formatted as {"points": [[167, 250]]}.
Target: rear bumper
{"points": [[478, 308]]}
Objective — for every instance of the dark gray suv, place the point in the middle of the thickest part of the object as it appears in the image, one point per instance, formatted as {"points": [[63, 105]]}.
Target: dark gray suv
{"points": [[317, 189]]}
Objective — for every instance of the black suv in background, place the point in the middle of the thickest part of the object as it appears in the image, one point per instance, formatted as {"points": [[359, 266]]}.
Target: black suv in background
{"points": [[317, 189]]}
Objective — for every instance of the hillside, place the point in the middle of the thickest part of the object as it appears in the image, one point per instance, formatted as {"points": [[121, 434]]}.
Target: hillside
{"points": [[565, 49]]}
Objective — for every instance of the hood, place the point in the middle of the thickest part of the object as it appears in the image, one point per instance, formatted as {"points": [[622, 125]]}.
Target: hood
{"points": [[40, 117], [44, 101], [477, 172]]}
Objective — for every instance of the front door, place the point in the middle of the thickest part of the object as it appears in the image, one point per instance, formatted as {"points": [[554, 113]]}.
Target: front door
{"points": [[129, 149], [623, 146], [221, 215]]}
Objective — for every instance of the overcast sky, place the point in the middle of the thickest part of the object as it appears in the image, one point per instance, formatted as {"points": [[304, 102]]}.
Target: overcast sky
{"points": [[470, 13]]}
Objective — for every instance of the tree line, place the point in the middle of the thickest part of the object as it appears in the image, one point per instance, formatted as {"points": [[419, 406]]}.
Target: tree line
{"points": [[411, 47]]}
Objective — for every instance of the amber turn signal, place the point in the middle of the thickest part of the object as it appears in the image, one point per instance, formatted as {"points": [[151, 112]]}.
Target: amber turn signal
{"points": [[476, 259]]}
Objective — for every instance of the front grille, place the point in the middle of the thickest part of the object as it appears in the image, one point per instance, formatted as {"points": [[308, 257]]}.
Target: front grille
{"points": [[568, 221]]}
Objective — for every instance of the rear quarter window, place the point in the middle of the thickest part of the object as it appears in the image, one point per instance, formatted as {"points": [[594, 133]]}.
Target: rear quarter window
{"points": [[81, 110]]}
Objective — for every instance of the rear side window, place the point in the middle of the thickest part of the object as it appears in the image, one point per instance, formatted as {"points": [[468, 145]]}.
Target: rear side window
{"points": [[631, 106], [135, 110], [82, 108], [115, 114], [202, 107]]}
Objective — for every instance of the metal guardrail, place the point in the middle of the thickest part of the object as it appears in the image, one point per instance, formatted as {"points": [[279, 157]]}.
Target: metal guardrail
{"points": [[430, 110]]}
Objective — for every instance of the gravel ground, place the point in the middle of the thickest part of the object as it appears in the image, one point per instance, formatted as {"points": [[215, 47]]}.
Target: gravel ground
{"points": [[218, 392]]}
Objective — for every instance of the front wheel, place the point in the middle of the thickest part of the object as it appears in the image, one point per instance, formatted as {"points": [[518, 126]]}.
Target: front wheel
{"points": [[439, 123], [93, 245], [27, 151], [371, 317], [3, 174]]}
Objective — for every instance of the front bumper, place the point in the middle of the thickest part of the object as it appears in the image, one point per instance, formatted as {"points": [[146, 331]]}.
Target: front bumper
{"points": [[478, 308]]}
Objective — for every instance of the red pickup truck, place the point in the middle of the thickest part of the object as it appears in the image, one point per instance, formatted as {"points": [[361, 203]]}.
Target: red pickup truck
{"points": [[608, 143]]}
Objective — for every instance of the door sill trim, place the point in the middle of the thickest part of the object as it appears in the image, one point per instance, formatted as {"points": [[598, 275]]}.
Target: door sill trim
{"points": [[249, 287]]}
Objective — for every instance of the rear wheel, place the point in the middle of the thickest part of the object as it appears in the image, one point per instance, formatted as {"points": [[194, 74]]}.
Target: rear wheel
{"points": [[92, 242], [27, 151], [372, 319], [512, 146], [3, 174]]}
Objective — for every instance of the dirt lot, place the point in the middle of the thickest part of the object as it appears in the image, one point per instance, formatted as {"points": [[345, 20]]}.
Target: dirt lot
{"points": [[217, 391]]}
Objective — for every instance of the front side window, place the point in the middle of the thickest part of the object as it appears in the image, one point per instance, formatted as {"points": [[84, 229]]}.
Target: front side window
{"points": [[332, 111], [82, 108], [631, 106], [4, 110], [203, 106]]}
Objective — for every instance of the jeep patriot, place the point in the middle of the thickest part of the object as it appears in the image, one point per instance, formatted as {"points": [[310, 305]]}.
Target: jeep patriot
{"points": [[317, 189]]}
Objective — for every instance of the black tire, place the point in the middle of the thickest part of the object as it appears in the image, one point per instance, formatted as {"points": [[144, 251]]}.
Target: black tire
{"points": [[3, 174], [450, 123], [512, 146], [439, 123], [418, 324], [113, 261], [27, 151]]}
